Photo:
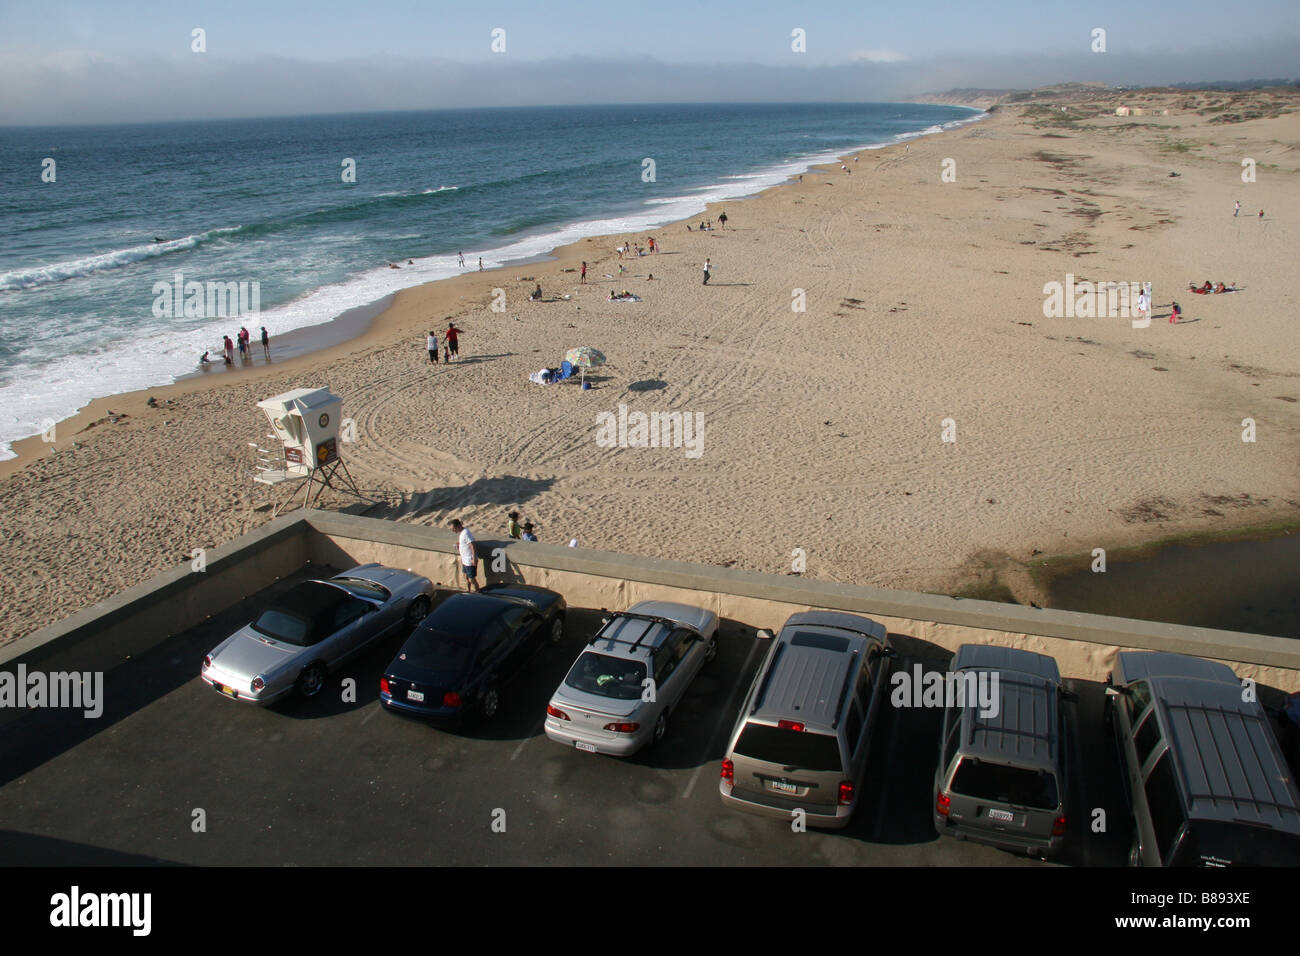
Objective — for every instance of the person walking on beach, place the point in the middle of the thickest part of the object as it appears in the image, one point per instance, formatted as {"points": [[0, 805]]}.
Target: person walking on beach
{"points": [[707, 271], [513, 528], [243, 344], [460, 259], [722, 220], [584, 274], [1176, 314], [468, 558], [452, 335], [1261, 215], [431, 343], [229, 350], [480, 263], [266, 344], [1236, 209]]}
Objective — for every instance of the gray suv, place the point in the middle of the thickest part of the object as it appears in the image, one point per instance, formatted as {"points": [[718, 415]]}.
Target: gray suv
{"points": [[1203, 773], [1001, 774], [804, 731]]}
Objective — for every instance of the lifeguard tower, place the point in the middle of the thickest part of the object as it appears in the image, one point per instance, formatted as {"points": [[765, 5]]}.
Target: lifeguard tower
{"points": [[306, 423]]}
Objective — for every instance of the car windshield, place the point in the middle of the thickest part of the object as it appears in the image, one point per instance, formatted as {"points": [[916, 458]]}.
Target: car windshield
{"points": [[438, 650], [607, 676], [789, 748], [1208, 843], [1000, 783], [281, 626], [364, 589]]}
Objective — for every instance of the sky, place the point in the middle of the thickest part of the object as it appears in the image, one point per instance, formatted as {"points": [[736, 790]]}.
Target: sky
{"points": [[70, 61]]}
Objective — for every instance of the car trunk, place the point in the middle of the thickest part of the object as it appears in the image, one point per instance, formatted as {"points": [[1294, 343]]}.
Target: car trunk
{"points": [[589, 713], [1017, 801], [782, 767]]}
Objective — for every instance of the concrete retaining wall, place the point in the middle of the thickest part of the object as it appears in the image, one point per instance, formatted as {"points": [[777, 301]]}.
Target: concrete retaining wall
{"points": [[1084, 645], [144, 616]]}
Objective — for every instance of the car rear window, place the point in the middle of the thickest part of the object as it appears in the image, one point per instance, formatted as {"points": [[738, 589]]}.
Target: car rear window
{"points": [[283, 627], [438, 650], [1001, 783], [789, 748], [364, 588], [607, 676]]}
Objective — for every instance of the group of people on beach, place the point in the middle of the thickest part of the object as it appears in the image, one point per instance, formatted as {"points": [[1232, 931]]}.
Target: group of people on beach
{"points": [[628, 249], [707, 224], [1207, 289], [451, 344], [524, 532], [244, 338]]}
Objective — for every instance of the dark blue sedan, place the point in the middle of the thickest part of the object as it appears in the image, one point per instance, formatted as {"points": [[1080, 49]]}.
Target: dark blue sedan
{"points": [[453, 666]]}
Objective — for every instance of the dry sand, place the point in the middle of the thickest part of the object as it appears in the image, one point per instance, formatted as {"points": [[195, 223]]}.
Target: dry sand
{"points": [[822, 429]]}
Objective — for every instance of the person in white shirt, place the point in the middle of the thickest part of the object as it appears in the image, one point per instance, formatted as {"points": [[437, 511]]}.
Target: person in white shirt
{"points": [[431, 343], [468, 558]]}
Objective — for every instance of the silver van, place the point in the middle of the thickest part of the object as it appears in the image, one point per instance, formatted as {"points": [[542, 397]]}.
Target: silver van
{"points": [[1001, 774], [1203, 773], [804, 731]]}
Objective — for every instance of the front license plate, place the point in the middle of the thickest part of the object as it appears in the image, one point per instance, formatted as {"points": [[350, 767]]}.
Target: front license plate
{"points": [[783, 786], [415, 695], [1002, 815], [583, 745]]}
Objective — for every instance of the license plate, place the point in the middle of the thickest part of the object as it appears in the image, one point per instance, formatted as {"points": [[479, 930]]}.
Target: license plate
{"points": [[583, 745], [1002, 815], [228, 691], [415, 695], [783, 786]]}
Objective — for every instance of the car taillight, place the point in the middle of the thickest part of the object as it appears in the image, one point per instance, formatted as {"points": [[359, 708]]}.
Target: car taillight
{"points": [[207, 661], [846, 792], [728, 771], [556, 712], [790, 725], [258, 683], [451, 699], [1058, 826], [623, 728], [941, 804], [383, 686]]}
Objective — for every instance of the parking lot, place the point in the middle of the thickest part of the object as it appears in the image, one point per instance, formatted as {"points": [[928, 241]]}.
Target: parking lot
{"points": [[329, 782]]}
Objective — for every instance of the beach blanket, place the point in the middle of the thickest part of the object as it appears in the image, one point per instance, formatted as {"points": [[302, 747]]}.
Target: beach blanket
{"points": [[541, 377], [626, 298]]}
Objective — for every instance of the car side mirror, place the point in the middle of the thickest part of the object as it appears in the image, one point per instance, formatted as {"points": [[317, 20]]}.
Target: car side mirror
{"points": [[1112, 691], [764, 635]]}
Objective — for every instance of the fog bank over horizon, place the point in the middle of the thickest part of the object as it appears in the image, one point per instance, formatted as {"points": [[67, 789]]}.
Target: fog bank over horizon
{"points": [[86, 87]]}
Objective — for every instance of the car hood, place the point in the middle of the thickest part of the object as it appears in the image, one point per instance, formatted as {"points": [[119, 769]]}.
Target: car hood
{"points": [[566, 696], [246, 653]]}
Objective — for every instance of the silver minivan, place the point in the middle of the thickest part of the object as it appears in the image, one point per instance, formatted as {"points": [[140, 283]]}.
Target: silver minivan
{"points": [[804, 731], [1001, 778], [1203, 773]]}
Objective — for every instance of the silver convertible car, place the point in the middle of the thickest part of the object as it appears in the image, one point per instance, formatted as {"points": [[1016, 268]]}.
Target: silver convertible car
{"points": [[619, 693], [313, 628]]}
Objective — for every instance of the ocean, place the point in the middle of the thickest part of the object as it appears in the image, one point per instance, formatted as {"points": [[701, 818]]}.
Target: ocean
{"points": [[105, 227]]}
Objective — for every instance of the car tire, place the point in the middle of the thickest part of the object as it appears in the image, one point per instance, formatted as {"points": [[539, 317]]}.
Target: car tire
{"points": [[311, 681], [557, 630], [417, 611], [661, 728], [489, 703], [711, 650]]}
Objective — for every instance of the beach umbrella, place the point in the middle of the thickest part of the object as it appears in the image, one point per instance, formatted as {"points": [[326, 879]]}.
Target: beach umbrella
{"points": [[585, 357]]}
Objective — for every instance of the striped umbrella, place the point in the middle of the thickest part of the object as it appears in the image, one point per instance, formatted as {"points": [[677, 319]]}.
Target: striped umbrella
{"points": [[585, 357]]}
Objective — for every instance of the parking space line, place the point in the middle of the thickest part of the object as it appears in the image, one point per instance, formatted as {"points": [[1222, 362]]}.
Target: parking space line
{"points": [[728, 713], [376, 709], [524, 743]]}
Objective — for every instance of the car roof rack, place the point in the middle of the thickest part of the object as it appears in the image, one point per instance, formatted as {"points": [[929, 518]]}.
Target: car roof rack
{"points": [[650, 619], [844, 689], [767, 679]]}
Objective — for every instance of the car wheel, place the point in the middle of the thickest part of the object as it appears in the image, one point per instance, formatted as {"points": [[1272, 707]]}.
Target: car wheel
{"points": [[417, 611], [711, 651], [489, 703], [557, 630], [661, 728], [311, 680]]}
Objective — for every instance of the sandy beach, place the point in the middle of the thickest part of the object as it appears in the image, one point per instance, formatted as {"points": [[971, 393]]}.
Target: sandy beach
{"points": [[823, 429]]}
